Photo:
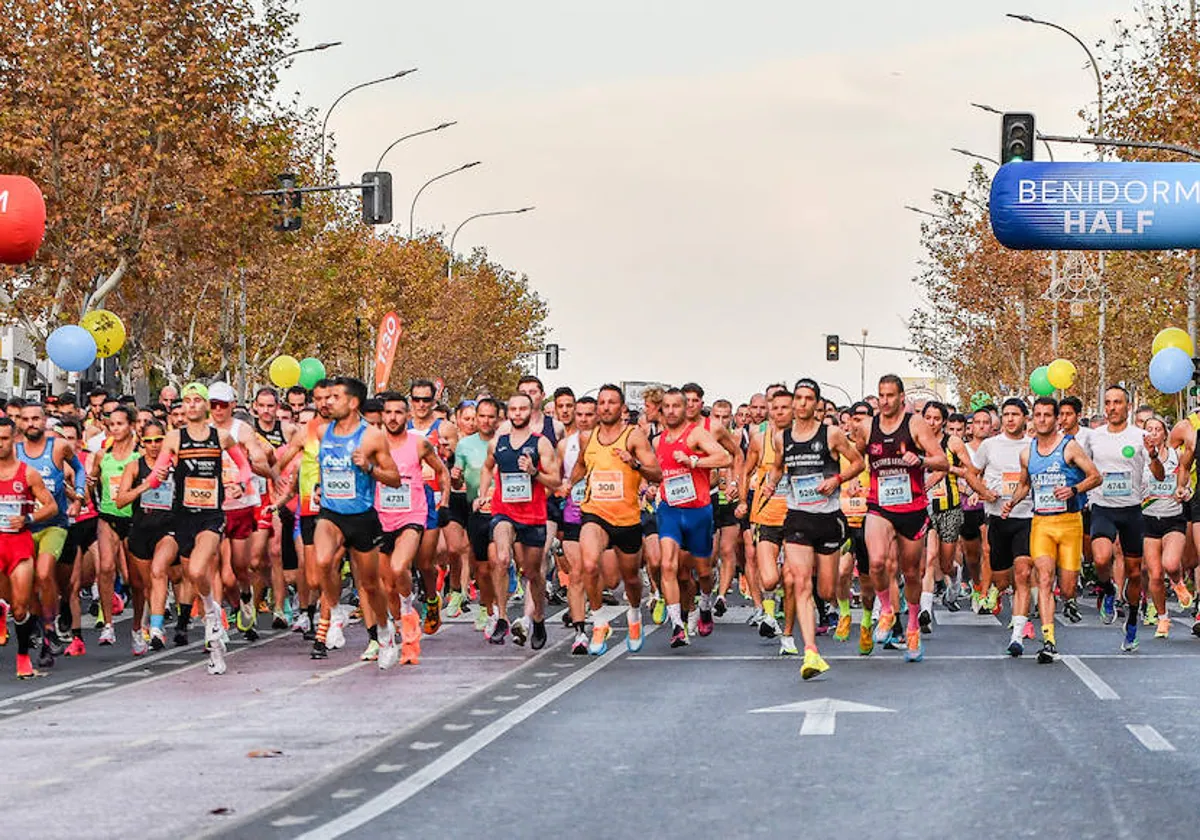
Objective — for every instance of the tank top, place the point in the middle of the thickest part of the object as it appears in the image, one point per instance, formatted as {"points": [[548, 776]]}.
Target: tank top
{"points": [[406, 504], [1046, 472], [1160, 499], [854, 508], [345, 489], [682, 485], [612, 485], [16, 498], [435, 439], [111, 468], [944, 495], [52, 476], [232, 475], [310, 470], [806, 463], [197, 476], [153, 509], [771, 511], [895, 486], [517, 494], [578, 491], [548, 431], [271, 437]]}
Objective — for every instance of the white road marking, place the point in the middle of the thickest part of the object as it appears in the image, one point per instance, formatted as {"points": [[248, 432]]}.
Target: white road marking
{"points": [[443, 764], [527, 686], [424, 746], [482, 712], [966, 619], [56, 780], [290, 820], [389, 768], [1091, 679], [57, 697], [545, 674], [1149, 737], [129, 675], [347, 793], [457, 727], [93, 762], [98, 685], [820, 716], [506, 698]]}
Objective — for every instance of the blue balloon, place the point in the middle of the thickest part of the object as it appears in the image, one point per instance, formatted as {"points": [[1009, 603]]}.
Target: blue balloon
{"points": [[73, 348], [1171, 370]]}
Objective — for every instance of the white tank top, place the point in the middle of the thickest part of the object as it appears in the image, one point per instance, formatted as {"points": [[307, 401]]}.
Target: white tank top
{"points": [[231, 475]]}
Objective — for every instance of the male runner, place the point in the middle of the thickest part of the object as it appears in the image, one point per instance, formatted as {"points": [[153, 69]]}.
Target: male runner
{"points": [[271, 544], [469, 457], [947, 514], [423, 423]]}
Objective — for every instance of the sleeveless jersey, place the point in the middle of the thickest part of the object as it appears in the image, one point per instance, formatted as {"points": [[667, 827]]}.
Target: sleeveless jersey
{"points": [[232, 475], [944, 495], [806, 463], [1046, 472], [1159, 500], [406, 504], [345, 489], [612, 485], [854, 508], [770, 511], [111, 468], [682, 485], [198, 485], [435, 440], [517, 494], [153, 508], [16, 498], [895, 486], [578, 492], [310, 470], [548, 431], [275, 440], [53, 477]]}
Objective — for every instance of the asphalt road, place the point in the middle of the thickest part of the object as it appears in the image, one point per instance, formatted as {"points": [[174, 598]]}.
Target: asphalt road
{"points": [[722, 736]]}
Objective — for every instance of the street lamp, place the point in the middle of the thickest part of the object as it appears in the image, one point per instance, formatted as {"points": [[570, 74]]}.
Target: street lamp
{"points": [[315, 48], [453, 236], [399, 140], [412, 209], [325, 122], [992, 161], [937, 216]]}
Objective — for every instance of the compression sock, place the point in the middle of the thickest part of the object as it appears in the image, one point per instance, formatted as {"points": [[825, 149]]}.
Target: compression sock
{"points": [[185, 615], [769, 607], [1019, 622], [885, 601], [914, 615], [926, 602], [24, 634], [1048, 633], [844, 606], [156, 622], [673, 613]]}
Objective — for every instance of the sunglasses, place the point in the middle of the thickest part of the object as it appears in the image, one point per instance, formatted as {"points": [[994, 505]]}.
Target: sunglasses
{"points": [[422, 399], [153, 439], [218, 403]]}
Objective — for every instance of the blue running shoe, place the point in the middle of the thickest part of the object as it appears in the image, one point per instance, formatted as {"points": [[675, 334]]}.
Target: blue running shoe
{"points": [[512, 578], [1131, 642], [1108, 609]]}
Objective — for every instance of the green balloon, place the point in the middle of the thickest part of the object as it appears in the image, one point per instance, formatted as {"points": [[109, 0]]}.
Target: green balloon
{"points": [[1039, 381], [311, 372], [1128, 451]]}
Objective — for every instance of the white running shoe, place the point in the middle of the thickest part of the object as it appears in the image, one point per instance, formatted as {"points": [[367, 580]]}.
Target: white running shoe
{"points": [[301, 624], [216, 658], [108, 636], [139, 645], [389, 651], [787, 646], [335, 637], [693, 623]]}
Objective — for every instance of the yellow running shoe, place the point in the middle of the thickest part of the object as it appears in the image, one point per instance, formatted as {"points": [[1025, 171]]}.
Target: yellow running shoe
{"points": [[371, 654], [1164, 627], [658, 613], [813, 665], [1151, 617], [1183, 595], [866, 640], [842, 633]]}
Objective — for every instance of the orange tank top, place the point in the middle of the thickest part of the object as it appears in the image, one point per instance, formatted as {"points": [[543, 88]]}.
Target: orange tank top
{"points": [[612, 485]]}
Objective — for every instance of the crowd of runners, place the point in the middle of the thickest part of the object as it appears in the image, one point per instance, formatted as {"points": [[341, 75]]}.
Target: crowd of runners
{"points": [[328, 506]]}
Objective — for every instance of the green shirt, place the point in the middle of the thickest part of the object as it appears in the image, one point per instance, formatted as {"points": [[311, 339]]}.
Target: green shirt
{"points": [[469, 456], [110, 482]]}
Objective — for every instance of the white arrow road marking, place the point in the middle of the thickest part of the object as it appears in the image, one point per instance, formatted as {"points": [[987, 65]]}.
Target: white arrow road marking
{"points": [[820, 716]]}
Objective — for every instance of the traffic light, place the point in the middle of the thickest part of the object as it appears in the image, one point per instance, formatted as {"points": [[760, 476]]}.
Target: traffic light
{"points": [[1017, 134], [377, 198], [288, 205], [833, 348], [551, 357]]}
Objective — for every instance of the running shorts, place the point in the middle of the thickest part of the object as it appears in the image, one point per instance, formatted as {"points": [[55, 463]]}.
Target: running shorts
{"points": [[723, 516], [554, 511], [649, 523], [459, 510], [1125, 523], [948, 524], [145, 538], [387, 543], [1008, 539], [241, 523], [691, 528], [533, 536], [264, 516], [80, 537], [119, 524], [50, 540], [972, 525], [479, 532], [15, 549], [858, 547], [824, 532], [767, 533], [431, 516], [744, 522], [360, 531], [912, 526], [626, 539], [569, 532], [290, 560], [308, 527], [1158, 527], [1059, 536], [1193, 507], [188, 526]]}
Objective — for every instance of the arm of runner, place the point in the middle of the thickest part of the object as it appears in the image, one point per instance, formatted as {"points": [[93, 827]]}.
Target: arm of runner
{"points": [[580, 469], [749, 465], [430, 456], [49, 507], [641, 453], [1074, 454], [485, 476], [1153, 457], [974, 476], [711, 454], [128, 493], [375, 458], [933, 480], [256, 454], [549, 468], [934, 458], [162, 464], [1022, 489], [776, 473], [960, 453]]}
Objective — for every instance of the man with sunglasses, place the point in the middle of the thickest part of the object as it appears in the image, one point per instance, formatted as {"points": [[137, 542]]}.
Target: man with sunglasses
{"points": [[423, 423]]}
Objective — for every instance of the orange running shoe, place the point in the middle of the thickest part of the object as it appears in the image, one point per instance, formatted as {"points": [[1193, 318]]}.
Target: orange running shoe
{"points": [[883, 630], [25, 669], [3, 623], [916, 650], [76, 648], [410, 639], [1182, 594]]}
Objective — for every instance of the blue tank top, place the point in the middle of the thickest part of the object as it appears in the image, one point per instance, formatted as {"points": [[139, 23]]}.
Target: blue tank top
{"points": [[1049, 471], [548, 430], [345, 489], [54, 479]]}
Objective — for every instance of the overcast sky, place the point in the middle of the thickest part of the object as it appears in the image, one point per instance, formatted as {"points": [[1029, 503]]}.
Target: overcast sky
{"points": [[718, 185]]}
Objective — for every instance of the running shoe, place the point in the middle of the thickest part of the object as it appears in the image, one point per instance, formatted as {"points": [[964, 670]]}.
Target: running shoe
{"points": [[335, 636], [842, 633], [950, 598], [693, 625], [679, 636], [719, 606], [579, 647], [1164, 627], [992, 602], [301, 624], [768, 628], [454, 607], [976, 601], [216, 658], [756, 617], [915, 651], [658, 610], [319, 650], [1196, 627], [108, 636], [76, 648], [925, 620], [138, 644], [1150, 618], [499, 632], [598, 646], [55, 642], [1028, 631], [787, 646], [490, 625], [389, 652], [181, 637], [371, 654], [25, 669], [537, 638], [158, 639], [866, 640], [1130, 643], [705, 625], [1071, 611], [279, 621], [481, 619], [566, 619], [410, 639], [3, 622], [1108, 608], [519, 631], [813, 665], [1048, 654], [118, 604], [45, 656], [633, 642], [1183, 595], [1015, 648], [433, 616], [883, 632]]}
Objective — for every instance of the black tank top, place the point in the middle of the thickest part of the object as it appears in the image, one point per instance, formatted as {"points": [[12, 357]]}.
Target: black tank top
{"points": [[198, 486], [806, 463], [153, 509], [274, 436]]}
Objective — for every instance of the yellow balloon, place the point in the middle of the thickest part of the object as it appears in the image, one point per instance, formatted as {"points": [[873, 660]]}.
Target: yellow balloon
{"points": [[1173, 337], [108, 331], [1062, 374], [285, 371]]}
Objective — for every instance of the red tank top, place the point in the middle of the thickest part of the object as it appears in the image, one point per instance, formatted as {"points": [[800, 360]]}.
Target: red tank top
{"points": [[895, 486], [517, 494], [16, 498], [681, 486]]}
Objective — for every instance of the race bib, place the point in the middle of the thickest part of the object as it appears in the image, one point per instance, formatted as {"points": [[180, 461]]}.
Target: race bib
{"points": [[1117, 485], [1044, 500], [804, 488], [7, 511], [606, 486], [516, 488], [337, 484], [114, 485], [259, 485], [854, 505], [895, 490], [395, 498], [578, 492], [679, 489], [160, 497], [1008, 484], [1164, 489], [200, 492]]}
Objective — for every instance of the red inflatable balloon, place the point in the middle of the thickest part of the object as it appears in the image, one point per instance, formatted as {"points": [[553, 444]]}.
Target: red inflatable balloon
{"points": [[22, 219]]}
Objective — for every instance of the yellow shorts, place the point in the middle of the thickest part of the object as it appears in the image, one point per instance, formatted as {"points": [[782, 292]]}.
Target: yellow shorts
{"points": [[50, 540], [1059, 536]]}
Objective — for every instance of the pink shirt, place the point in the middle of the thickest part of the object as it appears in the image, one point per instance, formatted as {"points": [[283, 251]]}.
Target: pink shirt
{"points": [[403, 505]]}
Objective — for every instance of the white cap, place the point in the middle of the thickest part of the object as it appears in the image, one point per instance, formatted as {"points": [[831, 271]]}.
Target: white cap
{"points": [[222, 392]]}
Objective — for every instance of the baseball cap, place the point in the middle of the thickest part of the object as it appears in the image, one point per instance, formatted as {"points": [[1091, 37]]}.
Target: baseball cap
{"points": [[196, 388], [221, 392]]}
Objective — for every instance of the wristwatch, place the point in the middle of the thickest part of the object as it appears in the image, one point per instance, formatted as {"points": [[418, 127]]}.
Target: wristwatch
{"points": [[694, 460]]}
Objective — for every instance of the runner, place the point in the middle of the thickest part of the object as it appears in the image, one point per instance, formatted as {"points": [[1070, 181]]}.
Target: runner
{"points": [[458, 513], [584, 415], [946, 515], [272, 548], [469, 457], [1166, 525], [422, 422], [855, 557], [114, 520], [976, 551], [1070, 409]]}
